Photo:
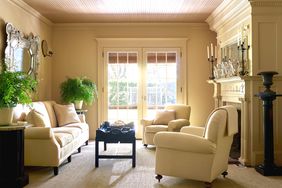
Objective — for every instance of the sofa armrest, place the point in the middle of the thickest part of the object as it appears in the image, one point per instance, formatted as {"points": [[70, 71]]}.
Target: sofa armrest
{"points": [[82, 118], [146, 122], [176, 125], [184, 142], [194, 130], [38, 133]]}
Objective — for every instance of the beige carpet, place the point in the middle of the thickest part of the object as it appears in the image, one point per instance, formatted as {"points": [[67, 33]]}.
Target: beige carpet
{"points": [[81, 173]]}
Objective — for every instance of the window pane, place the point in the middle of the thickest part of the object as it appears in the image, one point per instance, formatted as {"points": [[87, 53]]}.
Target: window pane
{"points": [[122, 87], [161, 79]]}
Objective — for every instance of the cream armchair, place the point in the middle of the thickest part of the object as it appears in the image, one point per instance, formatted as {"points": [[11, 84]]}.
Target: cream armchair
{"points": [[198, 153], [173, 118]]}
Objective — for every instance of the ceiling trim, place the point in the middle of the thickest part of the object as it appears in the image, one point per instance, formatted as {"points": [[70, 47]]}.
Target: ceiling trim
{"points": [[227, 12], [87, 25], [270, 3], [31, 11]]}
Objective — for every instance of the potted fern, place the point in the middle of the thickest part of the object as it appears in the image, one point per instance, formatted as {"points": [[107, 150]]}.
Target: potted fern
{"points": [[78, 90], [15, 88]]}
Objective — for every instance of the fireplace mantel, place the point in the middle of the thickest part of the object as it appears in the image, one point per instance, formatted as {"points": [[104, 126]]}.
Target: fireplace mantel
{"points": [[240, 91]]}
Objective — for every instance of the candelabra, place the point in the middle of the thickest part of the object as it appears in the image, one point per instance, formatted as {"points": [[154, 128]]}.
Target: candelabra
{"points": [[212, 59], [268, 168], [243, 48]]}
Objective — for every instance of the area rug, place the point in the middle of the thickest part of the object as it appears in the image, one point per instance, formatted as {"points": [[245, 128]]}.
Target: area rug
{"points": [[81, 173]]}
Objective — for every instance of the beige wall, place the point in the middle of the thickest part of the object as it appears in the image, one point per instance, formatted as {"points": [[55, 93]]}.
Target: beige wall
{"points": [[24, 18], [75, 54]]}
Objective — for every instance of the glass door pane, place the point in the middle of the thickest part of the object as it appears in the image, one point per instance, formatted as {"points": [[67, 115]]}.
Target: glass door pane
{"points": [[122, 86], [161, 85]]}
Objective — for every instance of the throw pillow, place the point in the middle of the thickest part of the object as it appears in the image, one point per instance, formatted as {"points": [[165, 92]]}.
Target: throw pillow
{"points": [[66, 114], [37, 119], [163, 117]]}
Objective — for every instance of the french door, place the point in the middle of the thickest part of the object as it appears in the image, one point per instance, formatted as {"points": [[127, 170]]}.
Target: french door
{"points": [[138, 82]]}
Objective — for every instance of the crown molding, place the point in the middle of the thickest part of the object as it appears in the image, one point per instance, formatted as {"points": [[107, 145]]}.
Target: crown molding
{"points": [[228, 11], [94, 25], [31, 11], [264, 3]]}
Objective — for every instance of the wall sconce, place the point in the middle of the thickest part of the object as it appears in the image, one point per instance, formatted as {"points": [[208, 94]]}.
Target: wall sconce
{"points": [[45, 51]]}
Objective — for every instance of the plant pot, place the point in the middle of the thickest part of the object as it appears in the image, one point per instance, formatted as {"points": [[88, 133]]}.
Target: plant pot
{"points": [[78, 105], [6, 116]]}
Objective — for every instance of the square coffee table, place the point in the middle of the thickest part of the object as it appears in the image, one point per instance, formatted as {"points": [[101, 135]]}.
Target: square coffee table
{"points": [[115, 135]]}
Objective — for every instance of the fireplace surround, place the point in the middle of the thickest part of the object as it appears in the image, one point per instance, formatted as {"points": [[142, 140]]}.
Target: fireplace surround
{"points": [[240, 91]]}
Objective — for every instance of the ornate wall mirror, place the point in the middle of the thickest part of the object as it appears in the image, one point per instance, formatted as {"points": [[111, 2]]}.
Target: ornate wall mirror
{"points": [[21, 53]]}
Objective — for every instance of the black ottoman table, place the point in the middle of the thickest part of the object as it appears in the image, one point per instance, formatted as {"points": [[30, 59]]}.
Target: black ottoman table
{"points": [[115, 134]]}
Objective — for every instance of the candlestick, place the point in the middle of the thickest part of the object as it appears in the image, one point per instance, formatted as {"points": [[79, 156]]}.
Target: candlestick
{"points": [[243, 48], [212, 59]]}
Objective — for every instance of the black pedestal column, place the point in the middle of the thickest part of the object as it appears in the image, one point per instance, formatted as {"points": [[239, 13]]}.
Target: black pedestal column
{"points": [[268, 168]]}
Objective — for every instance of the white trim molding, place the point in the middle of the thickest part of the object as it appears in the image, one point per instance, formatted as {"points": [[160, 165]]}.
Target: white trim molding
{"points": [[264, 3], [31, 11], [230, 11]]}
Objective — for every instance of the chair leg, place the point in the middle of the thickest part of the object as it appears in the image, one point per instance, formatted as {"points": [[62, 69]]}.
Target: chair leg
{"points": [[225, 173], [79, 149], [208, 185], [145, 145], [56, 171], [86, 143], [69, 159], [159, 177]]}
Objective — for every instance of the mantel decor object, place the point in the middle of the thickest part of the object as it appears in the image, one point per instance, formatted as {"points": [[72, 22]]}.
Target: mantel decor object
{"points": [[212, 58], [242, 47], [268, 168]]}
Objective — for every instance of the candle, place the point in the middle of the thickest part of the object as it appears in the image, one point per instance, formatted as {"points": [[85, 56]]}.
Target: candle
{"points": [[208, 52], [215, 51], [211, 49]]}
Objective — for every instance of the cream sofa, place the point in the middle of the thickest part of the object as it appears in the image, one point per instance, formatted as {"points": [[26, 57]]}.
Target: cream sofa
{"points": [[51, 145]]}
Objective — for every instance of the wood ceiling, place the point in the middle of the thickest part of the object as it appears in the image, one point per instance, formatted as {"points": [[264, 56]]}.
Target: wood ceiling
{"points": [[108, 11]]}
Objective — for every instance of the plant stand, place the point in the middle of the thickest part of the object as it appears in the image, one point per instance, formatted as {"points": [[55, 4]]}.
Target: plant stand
{"points": [[268, 168]]}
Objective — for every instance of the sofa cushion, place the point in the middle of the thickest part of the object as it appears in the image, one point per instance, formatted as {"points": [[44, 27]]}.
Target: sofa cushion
{"points": [[66, 114], [40, 107], [82, 126], [37, 119], [51, 112], [63, 138], [156, 128], [163, 117], [75, 132]]}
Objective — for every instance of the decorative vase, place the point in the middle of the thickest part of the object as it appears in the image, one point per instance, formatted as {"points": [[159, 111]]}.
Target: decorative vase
{"points": [[78, 105], [6, 116]]}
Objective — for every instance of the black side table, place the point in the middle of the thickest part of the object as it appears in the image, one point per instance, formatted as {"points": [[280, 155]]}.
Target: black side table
{"points": [[115, 135], [12, 173]]}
